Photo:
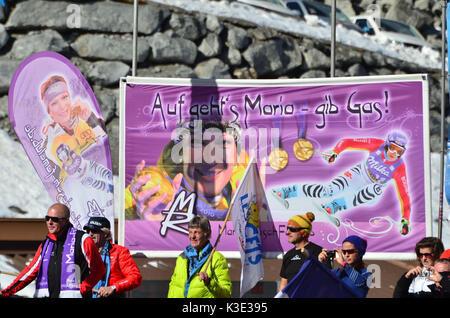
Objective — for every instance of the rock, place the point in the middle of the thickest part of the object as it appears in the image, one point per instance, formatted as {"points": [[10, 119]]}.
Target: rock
{"points": [[103, 16], [170, 70], [187, 27], [106, 73], [422, 5], [35, 14], [110, 47], [213, 24], [113, 131], [170, 49], [238, 38], [266, 58], [314, 74], [37, 41], [232, 56], [357, 70], [315, 59], [212, 68], [245, 73], [211, 45], [374, 59], [108, 100], [4, 112], [4, 36], [7, 69]]}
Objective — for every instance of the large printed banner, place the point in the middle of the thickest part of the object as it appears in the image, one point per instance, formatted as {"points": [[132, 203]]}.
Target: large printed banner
{"points": [[354, 151], [58, 121]]}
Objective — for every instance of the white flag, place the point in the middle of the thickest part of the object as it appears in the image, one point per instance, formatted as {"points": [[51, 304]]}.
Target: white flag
{"points": [[246, 210]]}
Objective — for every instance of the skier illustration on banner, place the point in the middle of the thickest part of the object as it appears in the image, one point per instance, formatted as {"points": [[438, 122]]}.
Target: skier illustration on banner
{"points": [[89, 173], [362, 184], [73, 124]]}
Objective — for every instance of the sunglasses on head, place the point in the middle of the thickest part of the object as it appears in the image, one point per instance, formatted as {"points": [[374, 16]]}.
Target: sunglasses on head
{"points": [[53, 218], [427, 255], [352, 251]]}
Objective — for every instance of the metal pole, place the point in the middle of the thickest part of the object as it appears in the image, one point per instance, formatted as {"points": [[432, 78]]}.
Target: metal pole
{"points": [[443, 75], [135, 36], [333, 38]]}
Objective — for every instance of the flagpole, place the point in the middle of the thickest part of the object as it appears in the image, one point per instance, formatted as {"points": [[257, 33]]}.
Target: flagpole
{"points": [[333, 38], [228, 215], [135, 35], [443, 29]]}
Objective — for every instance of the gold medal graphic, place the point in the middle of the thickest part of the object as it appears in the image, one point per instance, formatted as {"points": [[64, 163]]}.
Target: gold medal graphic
{"points": [[303, 149], [278, 159], [159, 177]]}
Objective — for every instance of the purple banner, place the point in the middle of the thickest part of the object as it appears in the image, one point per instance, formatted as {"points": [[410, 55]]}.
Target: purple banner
{"points": [[350, 151], [58, 121]]}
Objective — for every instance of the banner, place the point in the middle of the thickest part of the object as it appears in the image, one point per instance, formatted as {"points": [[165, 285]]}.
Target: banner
{"points": [[315, 280], [354, 151], [58, 121], [248, 201]]}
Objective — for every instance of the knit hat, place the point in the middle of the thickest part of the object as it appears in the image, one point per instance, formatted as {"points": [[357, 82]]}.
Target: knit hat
{"points": [[446, 254], [360, 244], [303, 221]]}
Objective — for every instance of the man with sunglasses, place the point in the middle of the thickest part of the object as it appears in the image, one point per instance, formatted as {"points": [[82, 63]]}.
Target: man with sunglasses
{"points": [[67, 263], [122, 274], [416, 283], [298, 230], [364, 183]]}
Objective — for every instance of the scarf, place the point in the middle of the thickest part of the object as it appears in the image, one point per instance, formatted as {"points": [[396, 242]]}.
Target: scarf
{"points": [[195, 262], [69, 285], [107, 261]]}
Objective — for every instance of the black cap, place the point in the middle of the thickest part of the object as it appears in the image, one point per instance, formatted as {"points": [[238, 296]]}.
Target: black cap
{"points": [[97, 223]]}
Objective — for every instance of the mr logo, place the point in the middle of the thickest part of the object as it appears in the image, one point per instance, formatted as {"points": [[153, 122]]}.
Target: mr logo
{"points": [[181, 211]]}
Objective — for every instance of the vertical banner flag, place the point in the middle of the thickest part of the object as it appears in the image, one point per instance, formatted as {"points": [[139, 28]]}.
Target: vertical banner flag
{"points": [[248, 201], [354, 151], [60, 125], [315, 280], [447, 170]]}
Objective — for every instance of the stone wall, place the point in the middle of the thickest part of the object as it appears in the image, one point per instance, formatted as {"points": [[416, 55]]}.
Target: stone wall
{"points": [[97, 37]]}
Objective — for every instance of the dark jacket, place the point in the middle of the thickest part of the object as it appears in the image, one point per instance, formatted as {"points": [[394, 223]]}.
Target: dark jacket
{"points": [[402, 288]]}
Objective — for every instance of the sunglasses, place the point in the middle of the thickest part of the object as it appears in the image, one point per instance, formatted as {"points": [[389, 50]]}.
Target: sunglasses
{"points": [[427, 255], [53, 218], [95, 231], [352, 251], [295, 229]]}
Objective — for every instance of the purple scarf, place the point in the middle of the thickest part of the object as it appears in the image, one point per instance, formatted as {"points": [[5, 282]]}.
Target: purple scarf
{"points": [[69, 285]]}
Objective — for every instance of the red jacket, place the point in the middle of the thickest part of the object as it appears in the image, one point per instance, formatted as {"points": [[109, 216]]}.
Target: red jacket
{"points": [[125, 274], [86, 256]]}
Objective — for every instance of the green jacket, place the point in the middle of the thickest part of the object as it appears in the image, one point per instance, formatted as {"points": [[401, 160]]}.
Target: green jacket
{"points": [[220, 282]]}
